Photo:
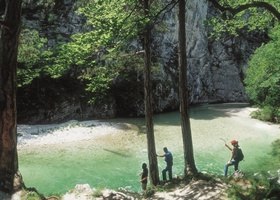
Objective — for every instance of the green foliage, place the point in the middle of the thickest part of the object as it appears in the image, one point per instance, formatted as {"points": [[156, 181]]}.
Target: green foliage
{"points": [[263, 77], [112, 20], [264, 114], [108, 49], [31, 53], [251, 19], [251, 187], [30, 46], [276, 149], [45, 3], [98, 82], [98, 54]]}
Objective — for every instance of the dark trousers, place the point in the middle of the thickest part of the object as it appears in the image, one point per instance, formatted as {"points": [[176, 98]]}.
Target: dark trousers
{"points": [[169, 170], [232, 162]]}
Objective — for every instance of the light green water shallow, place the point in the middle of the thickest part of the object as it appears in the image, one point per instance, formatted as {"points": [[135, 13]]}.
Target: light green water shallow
{"points": [[115, 160]]}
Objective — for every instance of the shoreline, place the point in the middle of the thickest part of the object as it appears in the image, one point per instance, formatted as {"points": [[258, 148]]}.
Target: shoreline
{"points": [[76, 131], [68, 132]]}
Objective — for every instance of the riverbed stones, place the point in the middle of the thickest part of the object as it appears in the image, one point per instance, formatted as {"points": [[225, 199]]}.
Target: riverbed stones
{"points": [[81, 192], [85, 192]]}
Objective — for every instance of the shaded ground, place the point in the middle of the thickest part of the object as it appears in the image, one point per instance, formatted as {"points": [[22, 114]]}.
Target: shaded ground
{"points": [[200, 189], [197, 190]]}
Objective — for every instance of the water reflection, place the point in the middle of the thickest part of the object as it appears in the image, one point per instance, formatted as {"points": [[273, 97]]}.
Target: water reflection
{"points": [[114, 160]]}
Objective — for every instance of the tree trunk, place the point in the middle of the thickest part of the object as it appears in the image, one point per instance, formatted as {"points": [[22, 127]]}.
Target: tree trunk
{"points": [[153, 165], [190, 167], [9, 34]]}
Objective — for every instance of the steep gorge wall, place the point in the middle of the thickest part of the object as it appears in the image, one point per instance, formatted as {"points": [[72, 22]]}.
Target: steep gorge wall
{"points": [[215, 68]]}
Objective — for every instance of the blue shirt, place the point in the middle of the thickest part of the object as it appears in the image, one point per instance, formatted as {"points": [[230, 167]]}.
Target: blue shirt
{"points": [[168, 158]]}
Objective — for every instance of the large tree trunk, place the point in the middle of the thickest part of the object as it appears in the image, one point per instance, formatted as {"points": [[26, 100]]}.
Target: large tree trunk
{"points": [[153, 165], [9, 34], [190, 167]]}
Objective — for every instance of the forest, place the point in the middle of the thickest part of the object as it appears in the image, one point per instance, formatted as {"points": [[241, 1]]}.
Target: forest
{"points": [[127, 58]]}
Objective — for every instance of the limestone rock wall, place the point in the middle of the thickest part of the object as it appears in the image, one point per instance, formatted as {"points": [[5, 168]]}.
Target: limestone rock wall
{"points": [[215, 68]]}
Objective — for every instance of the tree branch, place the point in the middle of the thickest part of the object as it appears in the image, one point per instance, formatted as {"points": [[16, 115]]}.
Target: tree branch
{"points": [[255, 4], [165, 9]]}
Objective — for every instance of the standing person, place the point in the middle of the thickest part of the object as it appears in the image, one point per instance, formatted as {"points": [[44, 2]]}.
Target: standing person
{"points": [[144, 176], [236, 156], [169, 163]]}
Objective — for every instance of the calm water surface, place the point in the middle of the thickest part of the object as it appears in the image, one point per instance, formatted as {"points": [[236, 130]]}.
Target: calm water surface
{"points": [[114, 161]]}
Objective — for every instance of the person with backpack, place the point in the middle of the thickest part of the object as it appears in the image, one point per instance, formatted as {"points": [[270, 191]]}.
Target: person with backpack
{"points": [[169, 163], [236, 156]]}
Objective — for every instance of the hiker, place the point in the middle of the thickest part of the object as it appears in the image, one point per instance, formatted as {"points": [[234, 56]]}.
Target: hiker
{"points": [[236, 156], [144, 176], [169, 162]]}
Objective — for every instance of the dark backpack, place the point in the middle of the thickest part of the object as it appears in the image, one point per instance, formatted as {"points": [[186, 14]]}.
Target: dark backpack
{"points": [[240, 155], [169, 158]]}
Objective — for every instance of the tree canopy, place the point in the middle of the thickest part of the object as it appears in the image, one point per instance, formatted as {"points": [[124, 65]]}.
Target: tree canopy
{"points": [[263, 77], [262, 80], [110, 46], [244, 15], [31, 56]]}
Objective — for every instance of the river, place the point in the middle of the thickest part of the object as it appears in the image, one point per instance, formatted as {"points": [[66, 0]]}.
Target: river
{"points": [[109, 154]]}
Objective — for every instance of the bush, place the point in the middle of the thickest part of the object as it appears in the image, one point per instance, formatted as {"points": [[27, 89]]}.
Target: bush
{"points": [[263, 78], [267, 113], [277, 115]]}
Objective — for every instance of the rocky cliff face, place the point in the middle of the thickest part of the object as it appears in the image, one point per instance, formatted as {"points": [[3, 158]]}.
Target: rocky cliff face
{"points": [[215, 68]]}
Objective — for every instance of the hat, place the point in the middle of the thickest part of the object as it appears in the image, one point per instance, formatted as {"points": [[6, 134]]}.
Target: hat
{"points": [[233, 142]]}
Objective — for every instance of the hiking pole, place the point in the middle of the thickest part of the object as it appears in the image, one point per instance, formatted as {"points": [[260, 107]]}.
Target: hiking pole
{"points": [[225, 143], [223, 140]]}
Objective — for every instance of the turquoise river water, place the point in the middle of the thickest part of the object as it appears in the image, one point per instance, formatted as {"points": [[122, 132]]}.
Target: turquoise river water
{"points": [[114, 160]]}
